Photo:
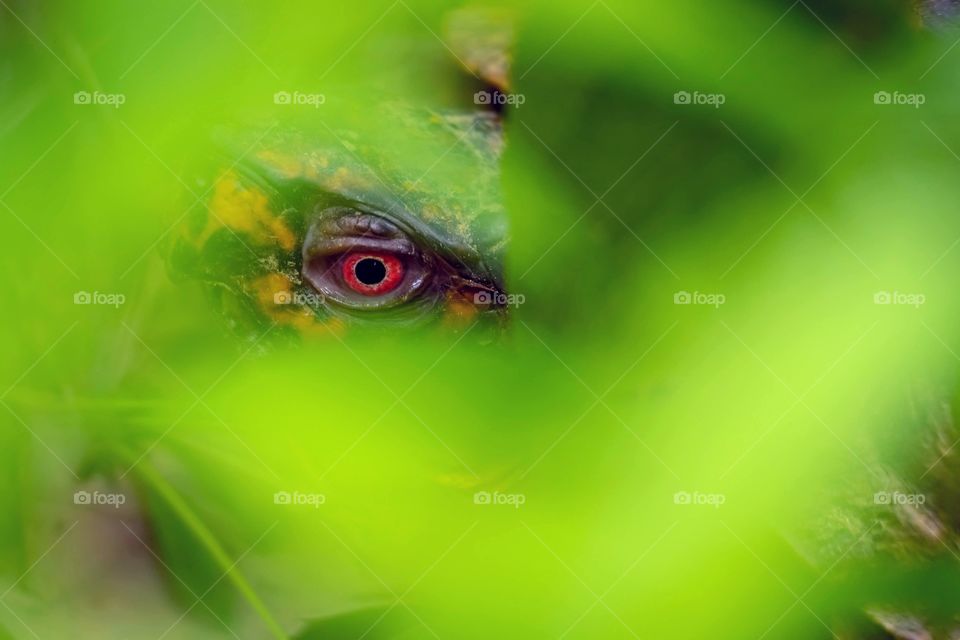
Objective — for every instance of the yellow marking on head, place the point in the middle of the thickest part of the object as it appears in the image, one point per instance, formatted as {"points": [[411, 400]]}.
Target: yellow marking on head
{"points": [[287, 166], [274, 294], [344, 179], [270, 288], [245, 209], [431, 212], [459, 310]]}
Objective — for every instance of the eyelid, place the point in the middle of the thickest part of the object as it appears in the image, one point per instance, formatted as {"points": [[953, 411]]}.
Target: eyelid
{"points": [[318, 247], [359, 223], [340, 229]]}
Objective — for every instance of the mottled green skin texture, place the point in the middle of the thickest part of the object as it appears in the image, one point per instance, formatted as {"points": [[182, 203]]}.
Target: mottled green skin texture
{"points": [[934, 12], [434, 175]]}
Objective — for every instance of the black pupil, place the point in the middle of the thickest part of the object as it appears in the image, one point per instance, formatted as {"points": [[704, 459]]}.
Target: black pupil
{"points": [[370, 271]]}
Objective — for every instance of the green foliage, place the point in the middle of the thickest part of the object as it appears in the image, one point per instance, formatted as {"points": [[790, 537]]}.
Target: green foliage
{"points": [[796, 400]]}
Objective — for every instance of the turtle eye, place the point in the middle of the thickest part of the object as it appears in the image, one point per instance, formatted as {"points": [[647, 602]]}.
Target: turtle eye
{"points": [[372, 273], [361, 261]]}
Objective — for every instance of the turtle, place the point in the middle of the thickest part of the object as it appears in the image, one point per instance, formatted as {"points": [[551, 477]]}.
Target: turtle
{"points": [[359, 216]]}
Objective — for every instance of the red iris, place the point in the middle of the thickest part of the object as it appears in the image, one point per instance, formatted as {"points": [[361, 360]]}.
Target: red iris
{"points": [[372, 273]]}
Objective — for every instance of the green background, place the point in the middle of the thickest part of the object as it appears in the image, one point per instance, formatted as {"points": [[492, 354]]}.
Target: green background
{"points": [[796, 400]]}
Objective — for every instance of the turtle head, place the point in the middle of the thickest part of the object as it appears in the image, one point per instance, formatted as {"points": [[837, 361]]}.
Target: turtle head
{"points": [[378, 208], [337, 223]]}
